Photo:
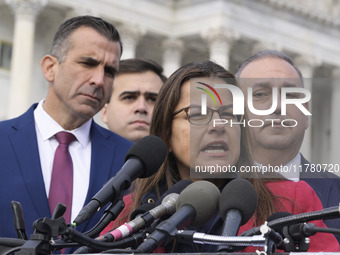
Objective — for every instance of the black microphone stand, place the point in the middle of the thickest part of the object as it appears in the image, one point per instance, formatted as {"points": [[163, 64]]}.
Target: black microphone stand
{"points": [[43, 241], [44, 231], [291, 245], [47, 233]]}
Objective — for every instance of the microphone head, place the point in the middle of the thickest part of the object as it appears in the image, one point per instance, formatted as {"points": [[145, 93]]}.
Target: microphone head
{"points": [[238, 194], [176, 188], [170, 202], [203, 196], [151, 151], [142, 209]]}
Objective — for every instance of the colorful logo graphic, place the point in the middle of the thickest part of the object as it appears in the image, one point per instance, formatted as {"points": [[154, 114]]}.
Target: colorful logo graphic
{"points": [[209, 93]]}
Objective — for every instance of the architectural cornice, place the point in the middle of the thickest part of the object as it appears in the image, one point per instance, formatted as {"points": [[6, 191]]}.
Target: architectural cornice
{"points": [[326, 16]]}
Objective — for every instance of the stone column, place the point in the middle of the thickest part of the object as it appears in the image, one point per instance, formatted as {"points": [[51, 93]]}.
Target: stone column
{"points": [[131, 35], [25, 12], [306, 65], [172, 55], [220, 41], [334, 156]]}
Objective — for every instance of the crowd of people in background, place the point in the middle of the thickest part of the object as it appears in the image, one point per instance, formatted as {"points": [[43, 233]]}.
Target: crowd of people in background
{"points": [[85, 76]]}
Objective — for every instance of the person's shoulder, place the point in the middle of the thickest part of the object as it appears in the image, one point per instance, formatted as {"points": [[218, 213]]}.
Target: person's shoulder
{"points": [[299, 186], [110, 136], [317, 172], [288, 186], [280, 183], [4, 124], [302, 185], [298, 196], [20, 121]]}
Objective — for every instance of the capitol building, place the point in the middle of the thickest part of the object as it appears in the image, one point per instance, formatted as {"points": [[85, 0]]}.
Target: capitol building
{"points": [[176, 32]]}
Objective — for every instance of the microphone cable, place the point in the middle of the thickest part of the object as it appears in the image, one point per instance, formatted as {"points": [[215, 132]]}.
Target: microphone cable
{"points": [[326, 230], [327, 213], [80, 238], [13, 244], [110, 214], [9, 252]]}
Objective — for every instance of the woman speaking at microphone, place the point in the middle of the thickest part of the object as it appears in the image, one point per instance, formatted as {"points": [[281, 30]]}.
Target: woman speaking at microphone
{"points": [[196, 142]]}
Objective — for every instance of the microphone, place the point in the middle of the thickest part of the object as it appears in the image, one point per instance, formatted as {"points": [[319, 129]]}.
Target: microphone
{"points": [[19, 222], [278, 229], [142, 160], [145, 214], [140, 210], [168, 206], [324, 214], [296, 235], [196, 205], [238, 203], [177, 188]]}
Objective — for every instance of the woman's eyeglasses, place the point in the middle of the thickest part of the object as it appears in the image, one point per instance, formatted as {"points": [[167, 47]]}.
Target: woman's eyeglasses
{"points": [[195, 116]]}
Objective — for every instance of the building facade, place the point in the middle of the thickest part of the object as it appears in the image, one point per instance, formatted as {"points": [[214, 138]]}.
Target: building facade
{"points": [[175, 32]]}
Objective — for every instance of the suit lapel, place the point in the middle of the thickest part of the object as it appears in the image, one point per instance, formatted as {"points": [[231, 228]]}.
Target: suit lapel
{"points": [[101, 164], [25, 146]]}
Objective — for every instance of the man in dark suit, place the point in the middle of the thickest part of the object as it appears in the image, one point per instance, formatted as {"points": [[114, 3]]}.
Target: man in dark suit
{"points": [[327, 186], [80, 70], [277, 145]]}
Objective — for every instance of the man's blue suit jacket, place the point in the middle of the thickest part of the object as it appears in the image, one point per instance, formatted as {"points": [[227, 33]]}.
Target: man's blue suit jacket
{"points": [[327, 187], [21, 175]]}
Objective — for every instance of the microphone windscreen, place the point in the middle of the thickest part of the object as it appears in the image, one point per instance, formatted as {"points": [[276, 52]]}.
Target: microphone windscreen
{"points": [[203, 196], [238, 194], [142, 209], [151, 150]]}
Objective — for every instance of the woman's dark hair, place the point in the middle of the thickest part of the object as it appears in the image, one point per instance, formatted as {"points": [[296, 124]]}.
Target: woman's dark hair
{"points": [[161, 124]]}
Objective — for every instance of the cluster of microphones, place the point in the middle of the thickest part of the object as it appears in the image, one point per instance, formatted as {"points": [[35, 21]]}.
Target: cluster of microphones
{"points": [[185, 205]]}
